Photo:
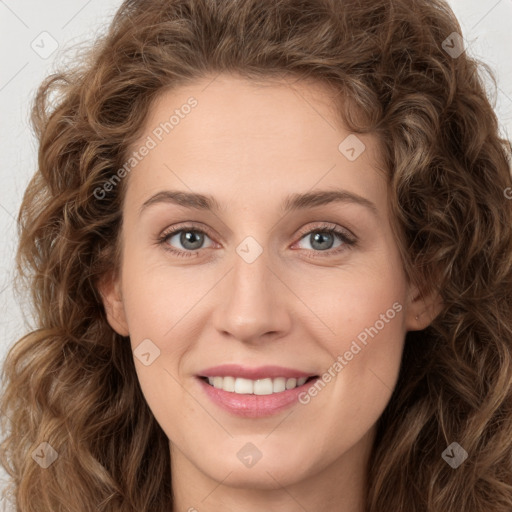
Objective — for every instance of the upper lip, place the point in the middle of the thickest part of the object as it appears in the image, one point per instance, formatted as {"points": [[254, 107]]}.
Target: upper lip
{"points": [[260, 372]]}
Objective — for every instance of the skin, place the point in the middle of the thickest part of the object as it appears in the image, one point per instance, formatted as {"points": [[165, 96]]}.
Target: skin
{"points": [[250, 145]]}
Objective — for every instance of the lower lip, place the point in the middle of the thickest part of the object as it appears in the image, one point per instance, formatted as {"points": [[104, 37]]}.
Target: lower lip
{"points": [[254, 406]]}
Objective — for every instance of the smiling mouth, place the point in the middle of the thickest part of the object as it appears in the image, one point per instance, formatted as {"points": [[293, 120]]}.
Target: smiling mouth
{"points": [[267, 386]]}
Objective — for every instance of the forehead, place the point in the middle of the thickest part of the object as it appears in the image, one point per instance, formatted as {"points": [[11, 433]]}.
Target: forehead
{"points": [[255, 139]]}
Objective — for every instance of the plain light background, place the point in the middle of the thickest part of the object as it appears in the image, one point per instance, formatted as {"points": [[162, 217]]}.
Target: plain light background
{"points": [[34, 36]]}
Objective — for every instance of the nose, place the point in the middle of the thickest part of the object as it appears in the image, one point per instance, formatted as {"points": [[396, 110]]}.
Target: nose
{"points": [[253, 305]]}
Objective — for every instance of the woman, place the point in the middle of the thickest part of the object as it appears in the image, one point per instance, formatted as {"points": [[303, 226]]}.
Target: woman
{"points": [[197, 346]]}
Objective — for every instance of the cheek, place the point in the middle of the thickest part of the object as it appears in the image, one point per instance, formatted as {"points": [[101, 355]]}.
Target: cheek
{"points": [[358, 302], [156, 295], [364, 311], [367, 305], [157, 300]]}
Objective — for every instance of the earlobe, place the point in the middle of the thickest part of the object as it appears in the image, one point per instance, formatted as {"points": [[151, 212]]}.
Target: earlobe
{"points": [[422, 309], [110, 291]]}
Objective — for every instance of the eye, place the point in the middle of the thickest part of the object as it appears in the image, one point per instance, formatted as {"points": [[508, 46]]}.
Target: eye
{"points": [[323, 238], [189, 237]]}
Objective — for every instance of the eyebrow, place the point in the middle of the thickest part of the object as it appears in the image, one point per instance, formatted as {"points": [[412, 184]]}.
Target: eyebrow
{"points": [[293, 202]]}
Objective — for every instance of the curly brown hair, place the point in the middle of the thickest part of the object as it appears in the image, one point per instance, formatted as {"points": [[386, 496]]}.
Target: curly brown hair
{"points": [[72, 381]]}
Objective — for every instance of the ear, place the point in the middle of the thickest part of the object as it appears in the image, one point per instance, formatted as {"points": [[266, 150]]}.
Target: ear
{"points": [[422, 309], [110, 291]]}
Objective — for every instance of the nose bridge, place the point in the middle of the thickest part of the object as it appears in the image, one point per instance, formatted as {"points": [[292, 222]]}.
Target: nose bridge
{"points": [[251, 304], [251, 272]]}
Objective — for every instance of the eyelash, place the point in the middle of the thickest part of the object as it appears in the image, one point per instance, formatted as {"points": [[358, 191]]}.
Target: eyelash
{"points": [[348, 241]]}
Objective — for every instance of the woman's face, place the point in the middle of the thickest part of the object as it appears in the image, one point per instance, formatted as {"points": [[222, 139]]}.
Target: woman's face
{"points": [[251, 277]]}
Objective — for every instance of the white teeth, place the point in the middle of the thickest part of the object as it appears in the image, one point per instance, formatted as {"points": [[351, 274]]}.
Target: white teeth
{"points": [[291, 383], [243, 386], [228, 384], [265, 386], [279, 385], [301, 381]]}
